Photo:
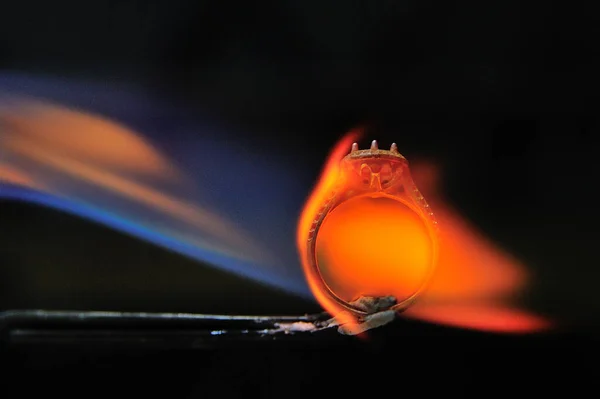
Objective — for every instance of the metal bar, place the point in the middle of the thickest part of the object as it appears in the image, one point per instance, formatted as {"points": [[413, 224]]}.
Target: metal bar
{"points": [[150, 329]]}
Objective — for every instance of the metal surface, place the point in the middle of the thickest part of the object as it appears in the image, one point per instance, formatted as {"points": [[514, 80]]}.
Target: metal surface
{"points": [[164, 330]]}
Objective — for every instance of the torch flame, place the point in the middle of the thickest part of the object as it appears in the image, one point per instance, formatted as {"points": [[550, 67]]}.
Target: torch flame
{"points": [[101, 152], [489, 317], [474, 283], [321, 191], [88, 162], [84, 136], [12, 175]]}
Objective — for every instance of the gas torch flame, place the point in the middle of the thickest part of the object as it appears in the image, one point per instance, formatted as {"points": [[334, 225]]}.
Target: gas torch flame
{"points": [[98, 168], [474, 283], [10, 174], [321, 191]]}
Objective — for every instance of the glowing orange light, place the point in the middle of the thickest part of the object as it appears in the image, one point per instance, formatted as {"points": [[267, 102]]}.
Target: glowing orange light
{"points": [[86, 137], [12, 175], [482, 317], [55, 143], [470, 267], [318, 196], [374, 247], [377, 247]]}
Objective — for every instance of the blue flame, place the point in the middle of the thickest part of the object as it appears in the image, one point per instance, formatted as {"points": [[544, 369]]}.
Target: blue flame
{"points": [[261, 197]]}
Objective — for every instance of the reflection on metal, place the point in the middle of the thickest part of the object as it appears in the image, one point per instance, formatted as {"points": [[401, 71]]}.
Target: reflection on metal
{"points": [[163, 330], [183, 330]]}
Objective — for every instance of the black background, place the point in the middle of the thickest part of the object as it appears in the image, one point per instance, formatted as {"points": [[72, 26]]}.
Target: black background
{"points": [[501, 93]]}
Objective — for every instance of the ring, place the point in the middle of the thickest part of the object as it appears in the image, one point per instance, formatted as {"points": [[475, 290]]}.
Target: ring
{"points": [[374, 195]]}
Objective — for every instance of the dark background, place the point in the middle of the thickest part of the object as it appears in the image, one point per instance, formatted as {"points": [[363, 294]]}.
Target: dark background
{"points": [[501, 93]]}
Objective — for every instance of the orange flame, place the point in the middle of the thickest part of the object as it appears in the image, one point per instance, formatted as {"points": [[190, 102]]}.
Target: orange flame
{"points": [[321, 191], [86, 137], [17, 176], [474, 281], [56, 143], [483, 317]]}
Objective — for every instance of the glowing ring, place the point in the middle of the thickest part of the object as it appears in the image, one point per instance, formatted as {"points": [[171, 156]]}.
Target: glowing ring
{"points": [[364, 174]]}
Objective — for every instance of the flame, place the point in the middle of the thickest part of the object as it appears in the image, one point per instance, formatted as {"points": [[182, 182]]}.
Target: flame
{"points": [[322, 190], [80, 156], [17, 176], [470, 267], [474, 282], [86, 137], [128, 188], [496, 318]]}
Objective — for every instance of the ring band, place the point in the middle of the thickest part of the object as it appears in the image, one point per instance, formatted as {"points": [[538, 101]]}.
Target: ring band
{"points": [[373, 173]]}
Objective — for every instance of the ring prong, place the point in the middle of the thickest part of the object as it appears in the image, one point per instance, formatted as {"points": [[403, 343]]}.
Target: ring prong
{"points": [[374, 145], [354, 147]]}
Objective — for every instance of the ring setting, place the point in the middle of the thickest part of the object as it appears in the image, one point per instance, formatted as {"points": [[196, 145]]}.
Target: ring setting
{"points": [[374, 204]]}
